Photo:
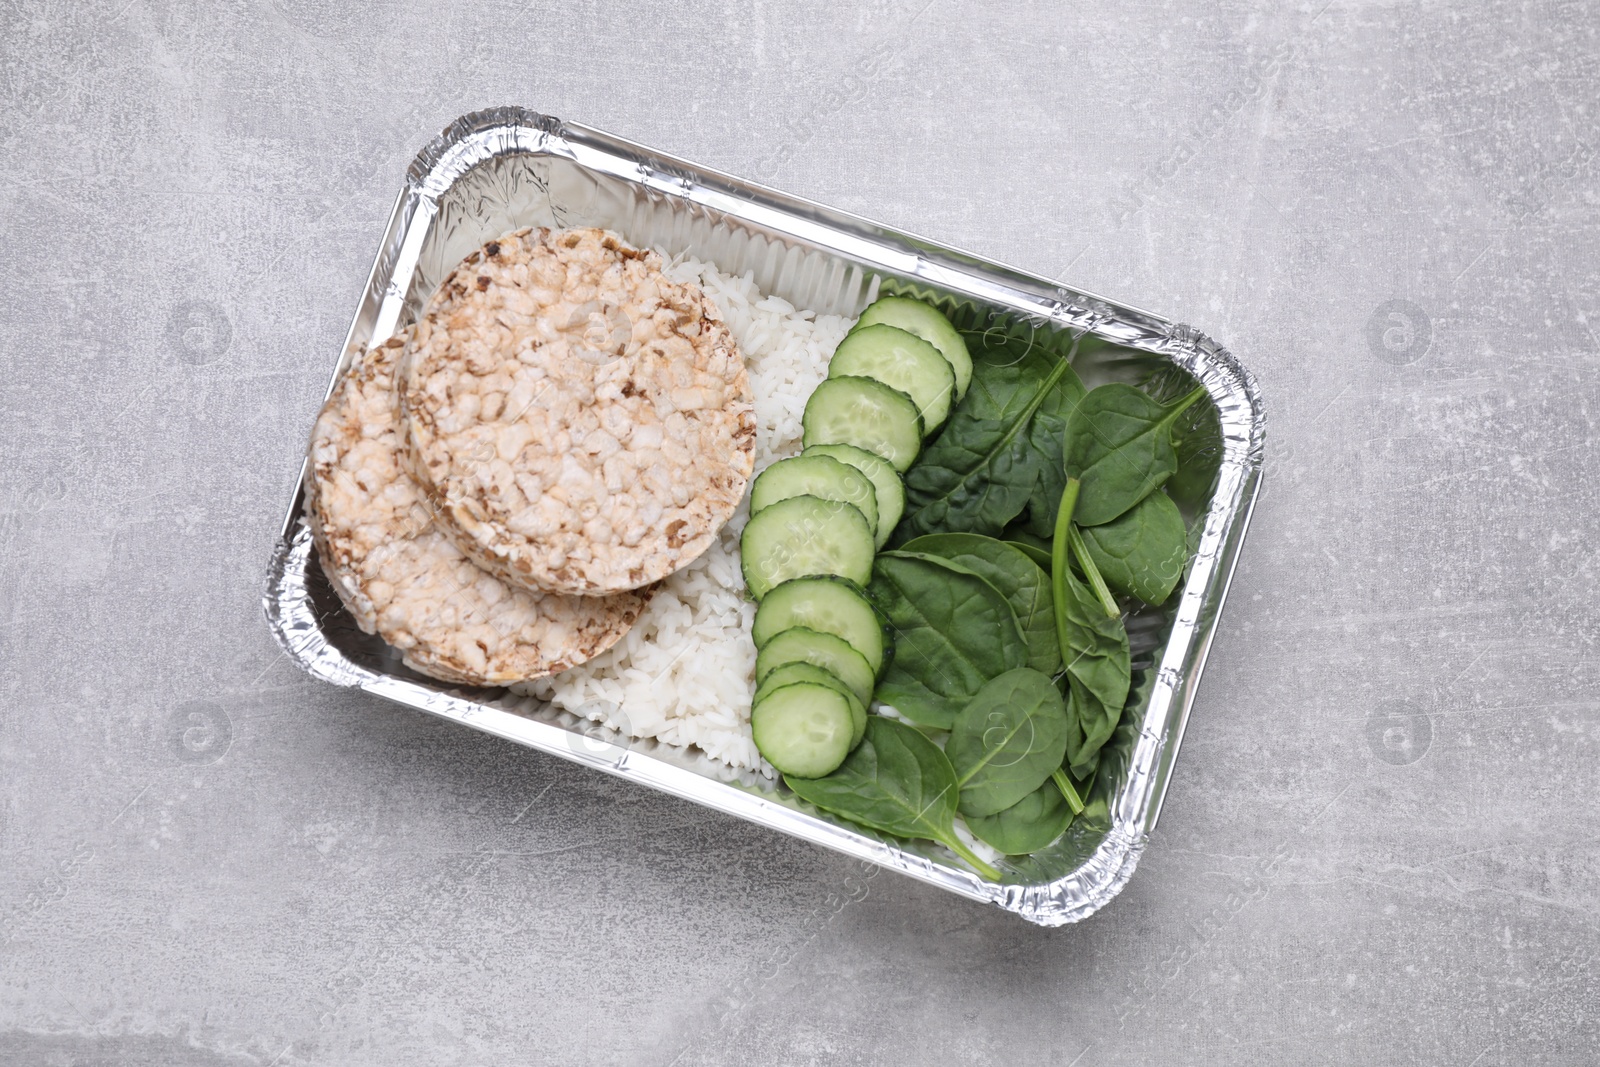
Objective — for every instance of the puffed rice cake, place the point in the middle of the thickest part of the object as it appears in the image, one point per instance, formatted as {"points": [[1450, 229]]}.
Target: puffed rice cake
{"points": [[584, 422], [405, 580]]}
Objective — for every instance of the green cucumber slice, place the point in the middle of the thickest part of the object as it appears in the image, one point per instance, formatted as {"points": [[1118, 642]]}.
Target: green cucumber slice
{"points": [[790, 673], [902, 361], [819, 476], [885, 479], [827, 605], [804, 536], [832, 654], [866, 413], [928, 323], [803, 729]]}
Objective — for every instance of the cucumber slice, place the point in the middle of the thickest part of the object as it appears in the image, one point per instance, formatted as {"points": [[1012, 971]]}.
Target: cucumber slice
{"points": [[802, 536], [800, 645], [866, 413], [902, 361], [827, 605], [818, 476], [790, 673], [928, 323], [803, 729], [885, 479]]}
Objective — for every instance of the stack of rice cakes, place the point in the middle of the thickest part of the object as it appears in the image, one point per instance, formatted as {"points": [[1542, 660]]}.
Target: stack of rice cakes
{"points": [[496, 490]]}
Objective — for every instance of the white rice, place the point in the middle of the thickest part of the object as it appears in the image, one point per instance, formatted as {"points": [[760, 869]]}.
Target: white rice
{"points": [[686, 671]]}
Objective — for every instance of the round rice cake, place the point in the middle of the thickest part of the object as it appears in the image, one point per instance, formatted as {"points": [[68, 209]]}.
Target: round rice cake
{"points": [[405, 579], [584, 422]]}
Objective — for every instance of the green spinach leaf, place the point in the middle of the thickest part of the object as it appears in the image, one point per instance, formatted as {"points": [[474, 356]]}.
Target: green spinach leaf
{"points": [[1094, 645], [1007, 741], [896, 781], [1094, 642], [953, 631], [1083, 783], [1011, 571], [1018, 531], [1196, 441], [1037, 547], [980, 472], [1118, 443], [1097, 644], [1034, 552], [1091, 722], [1026, 826], [1141, 552], [1047, 434]]}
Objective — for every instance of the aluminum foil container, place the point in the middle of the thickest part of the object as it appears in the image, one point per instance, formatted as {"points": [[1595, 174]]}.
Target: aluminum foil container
{"points": [[500, 169]]}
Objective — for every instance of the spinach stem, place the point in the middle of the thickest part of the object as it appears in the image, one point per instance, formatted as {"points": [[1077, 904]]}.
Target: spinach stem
{"points": [[1059, 565], [1063, 783], [955, 845], [1091, 572]]}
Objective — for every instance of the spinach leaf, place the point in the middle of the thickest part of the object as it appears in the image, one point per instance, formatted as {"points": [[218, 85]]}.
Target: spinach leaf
{"points": [[1094, 645], [1199, 452], [1091, 722], [1018, 531], [980, 472], [1026, 826], [1037, 547], [1196, 441], [1007, 741], [1093, 640], [896, 781], [953, 631], [1143, 551], [1047, 434], [1097, 644], [1118, 443], [1039, 555], [1018, 579], [1083, 783]]}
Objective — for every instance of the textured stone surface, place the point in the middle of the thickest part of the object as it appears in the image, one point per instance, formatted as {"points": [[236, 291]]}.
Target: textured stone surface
{"points": [[1381, 844]]}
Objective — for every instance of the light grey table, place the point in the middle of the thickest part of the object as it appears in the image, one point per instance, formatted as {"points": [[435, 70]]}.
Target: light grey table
{"points": [[1381, 843]]}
